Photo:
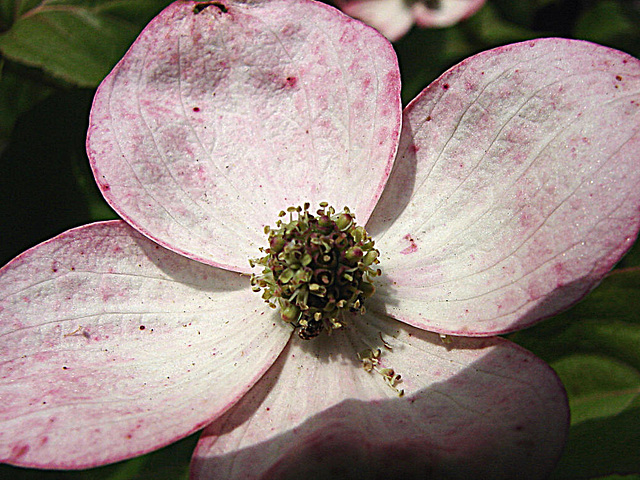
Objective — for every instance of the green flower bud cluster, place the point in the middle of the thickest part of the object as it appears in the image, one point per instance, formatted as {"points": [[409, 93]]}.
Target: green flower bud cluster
{"points": [[316, 268]]}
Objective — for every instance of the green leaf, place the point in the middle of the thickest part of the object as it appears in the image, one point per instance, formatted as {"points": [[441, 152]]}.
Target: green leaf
{"points": [[632, 258], [17, 95], [611, 23], [11, 9], [595, 349], [603, 446], [598, 386], [490, 28], [421, 59], [619, 477], [47, 185], [77, 41]]}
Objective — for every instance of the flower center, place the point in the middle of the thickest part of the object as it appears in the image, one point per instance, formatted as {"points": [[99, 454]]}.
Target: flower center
{"points": [[316, 268]]}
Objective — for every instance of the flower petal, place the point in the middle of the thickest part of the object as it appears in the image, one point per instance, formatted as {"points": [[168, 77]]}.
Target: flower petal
{"points": [[392, 18], [475, 408], [515, 190], [445, 12], [113, 346], [224, 113]]}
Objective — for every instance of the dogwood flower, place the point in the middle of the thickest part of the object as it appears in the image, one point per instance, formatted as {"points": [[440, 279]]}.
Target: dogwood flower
{"points": [[501, 195], [394, 18]]}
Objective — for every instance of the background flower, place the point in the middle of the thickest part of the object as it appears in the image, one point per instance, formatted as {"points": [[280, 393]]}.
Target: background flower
{"points": [[59, 209], [394, 18]]}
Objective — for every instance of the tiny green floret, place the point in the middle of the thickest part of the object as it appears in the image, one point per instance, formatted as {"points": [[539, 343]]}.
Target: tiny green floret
{"points": [[317, 268]]}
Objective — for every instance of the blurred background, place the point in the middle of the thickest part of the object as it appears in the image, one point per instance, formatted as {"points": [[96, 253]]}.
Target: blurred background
{"points": [[54, 53]]}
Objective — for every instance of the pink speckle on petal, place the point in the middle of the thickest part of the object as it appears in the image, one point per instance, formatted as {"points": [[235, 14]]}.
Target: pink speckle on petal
{"points": [[291, 81], [412, 245], [19, 451]]}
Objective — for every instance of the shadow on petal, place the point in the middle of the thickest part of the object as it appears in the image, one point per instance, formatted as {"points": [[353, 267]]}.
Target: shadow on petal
{"points": [[503, 416], [190, 272], [399, 187]]}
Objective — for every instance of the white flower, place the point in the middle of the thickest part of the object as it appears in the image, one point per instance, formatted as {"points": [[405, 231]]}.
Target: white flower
{"points": [[502, 195]]}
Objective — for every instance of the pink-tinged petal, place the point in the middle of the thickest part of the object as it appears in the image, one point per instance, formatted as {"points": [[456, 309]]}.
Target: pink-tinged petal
{"points": [[113, 346], [224, 113], [445, 12], [474, 408], [392, 18], [515, 190]]}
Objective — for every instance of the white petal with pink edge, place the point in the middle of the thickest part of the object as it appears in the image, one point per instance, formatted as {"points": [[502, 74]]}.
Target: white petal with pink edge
{"points": [[515, 190], [474, 408], [113, 346], [224, 113]]}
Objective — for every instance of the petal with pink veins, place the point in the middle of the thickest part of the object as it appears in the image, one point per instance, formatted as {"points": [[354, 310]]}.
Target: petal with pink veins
{"points": [[516, 188], [224, 113], [113, 346], [474, 408]]}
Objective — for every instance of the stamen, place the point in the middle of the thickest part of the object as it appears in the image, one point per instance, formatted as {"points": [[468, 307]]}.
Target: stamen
{"points": [[317, 268], [370, 360]]}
